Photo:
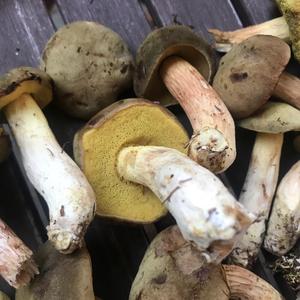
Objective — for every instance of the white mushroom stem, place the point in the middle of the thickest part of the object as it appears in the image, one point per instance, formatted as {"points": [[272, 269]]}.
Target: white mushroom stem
{"points": [[53, 173], [224, 40], [206, 212], [257, 194], [213, 142], [284, 222], [16, 264]]}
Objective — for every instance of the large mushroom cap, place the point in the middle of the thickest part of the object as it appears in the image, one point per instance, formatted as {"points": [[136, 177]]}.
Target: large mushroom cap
{"points": [[90, 65], [129, 122], [249, 72], [164, 42], [25, 80]]}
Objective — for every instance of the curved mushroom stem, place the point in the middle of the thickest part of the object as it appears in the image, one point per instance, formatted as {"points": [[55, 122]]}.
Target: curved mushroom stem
{"points": [[206, 213], [257, 194], [16, 264], [284, 223], [225, 40], [213, 142], [53, 173]]}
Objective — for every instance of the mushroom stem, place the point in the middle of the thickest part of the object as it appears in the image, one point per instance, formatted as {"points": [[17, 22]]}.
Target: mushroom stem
{"points": [[224, 40], [257, 194], [53, 173], [284, 222], [205, 211], [16, 264], [213, 142]]}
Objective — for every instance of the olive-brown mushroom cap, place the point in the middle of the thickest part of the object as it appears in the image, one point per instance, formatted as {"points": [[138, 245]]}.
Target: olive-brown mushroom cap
{"points": [[167, 41], [248, 74], [90, 65]]}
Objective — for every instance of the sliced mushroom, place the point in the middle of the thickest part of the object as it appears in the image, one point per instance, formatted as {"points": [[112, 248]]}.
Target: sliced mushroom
{"points": [[168, 65], [17, 266], [90, 65], [257, 195], [5, 147], [122, 165], [52, 172], [61, 276]]}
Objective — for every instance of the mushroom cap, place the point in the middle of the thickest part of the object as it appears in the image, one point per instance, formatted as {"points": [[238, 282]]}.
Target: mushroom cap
{"points": [[249, 72], [90, 65], [158, 45], [25, 80], [5, 147], [273, 117], [130, 122]]}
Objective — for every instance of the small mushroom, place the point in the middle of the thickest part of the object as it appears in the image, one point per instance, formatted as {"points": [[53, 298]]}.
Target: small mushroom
{"points": [[251, 72], [121, 166], [161, 275], [284, 222], [4, 145], [61, 276], [52, 172], [168, 65], [90, 65], [17, 266], [257, 195]]}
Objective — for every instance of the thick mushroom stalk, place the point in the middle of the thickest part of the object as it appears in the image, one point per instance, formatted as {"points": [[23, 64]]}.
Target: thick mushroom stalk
{"points": [[213, 142], [53, 173], [284, 222], [205, 211], [16, 264], [257, 194]]}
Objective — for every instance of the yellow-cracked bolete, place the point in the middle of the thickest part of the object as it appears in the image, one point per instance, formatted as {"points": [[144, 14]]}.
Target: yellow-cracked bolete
{"points": [[90, 65], [52, 172], [173, 63], [133, 155]]}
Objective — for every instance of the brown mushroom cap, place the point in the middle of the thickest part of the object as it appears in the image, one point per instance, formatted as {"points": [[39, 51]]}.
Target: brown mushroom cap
{"points": [[249, 72], [90, 65], [158, 45], [25, 80]]}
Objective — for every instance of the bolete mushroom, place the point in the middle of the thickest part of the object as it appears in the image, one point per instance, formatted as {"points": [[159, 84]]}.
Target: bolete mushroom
{"points": [[251, 72], [5, 147], [257, 195], [285, 27], [61, 276], [168, 65], [90, 65], [172, 270], [120, 167], [52, 172], [17, 266], [284, 222]]}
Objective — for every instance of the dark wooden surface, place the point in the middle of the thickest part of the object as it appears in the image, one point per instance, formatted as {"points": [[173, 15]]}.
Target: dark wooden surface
{"points": [[116, 249]]}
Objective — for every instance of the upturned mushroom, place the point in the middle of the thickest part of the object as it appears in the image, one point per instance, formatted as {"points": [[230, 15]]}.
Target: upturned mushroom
{"points": [[17, 266], [52, 172], [121, 166], [284, 222], [253, 71], [173, 269], [257, 195], [170, 62], [61, 276], [103, 68], [4, 145], [285, 27]]}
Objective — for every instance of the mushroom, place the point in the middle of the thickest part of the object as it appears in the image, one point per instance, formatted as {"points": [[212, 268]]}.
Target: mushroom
{"points": [[251, 72], [16, 264], [103, 68], [257, 195], [52, 172], [168, 65], [121, 166], [61, 276], [284, 222], [161, 275], [285, 27], [4, 145]]}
